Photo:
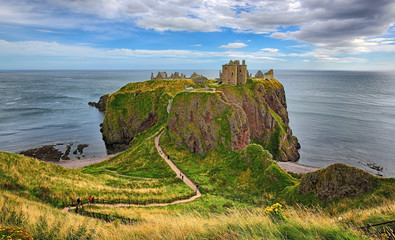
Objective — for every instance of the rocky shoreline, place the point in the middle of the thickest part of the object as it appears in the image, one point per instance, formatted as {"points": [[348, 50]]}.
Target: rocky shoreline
{"points": [[54, 152]]}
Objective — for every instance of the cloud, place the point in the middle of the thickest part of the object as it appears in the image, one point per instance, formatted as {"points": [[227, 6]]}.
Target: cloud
{"points": [[48, 31], [317, 22], [83, 51], [270, 50], [234, 45], [331, 27], [176, 24]]}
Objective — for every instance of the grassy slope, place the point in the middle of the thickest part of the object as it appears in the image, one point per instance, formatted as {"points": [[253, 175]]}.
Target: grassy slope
{"points": [[46, 182], [245, 174], [44, 222]]}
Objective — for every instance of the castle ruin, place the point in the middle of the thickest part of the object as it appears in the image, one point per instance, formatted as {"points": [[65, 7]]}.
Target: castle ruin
{"points": [[199, 79], [233, 73], [163, 75], [268, 75]]}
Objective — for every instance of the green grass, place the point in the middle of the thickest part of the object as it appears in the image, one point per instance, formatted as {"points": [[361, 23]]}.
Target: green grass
{"points": [[53, 184], [248, 174]]}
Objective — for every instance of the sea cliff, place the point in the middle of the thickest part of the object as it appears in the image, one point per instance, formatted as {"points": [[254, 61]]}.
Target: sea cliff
{"points": [[204, 117]]}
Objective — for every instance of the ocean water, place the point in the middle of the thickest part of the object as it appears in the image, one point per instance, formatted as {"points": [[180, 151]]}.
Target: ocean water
{"points": [[338, 116]]}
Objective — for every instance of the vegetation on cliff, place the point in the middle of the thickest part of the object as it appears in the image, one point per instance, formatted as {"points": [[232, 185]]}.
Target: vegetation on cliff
{"points": [[230, 117], [205, 121], [137, 107]]}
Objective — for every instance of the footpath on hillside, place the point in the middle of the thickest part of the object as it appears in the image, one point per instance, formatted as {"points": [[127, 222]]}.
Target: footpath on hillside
{"points": [[179, 174]]}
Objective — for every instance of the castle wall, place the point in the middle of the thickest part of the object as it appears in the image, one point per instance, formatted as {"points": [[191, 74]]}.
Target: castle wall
{"points": [[229, 74], [241, 74], [268, 75]]}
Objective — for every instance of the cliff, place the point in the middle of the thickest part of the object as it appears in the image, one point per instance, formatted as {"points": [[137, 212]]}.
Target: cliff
{"points": [[136, 107], [223, 117], [101, 105], [205, 121], [265, 106]]}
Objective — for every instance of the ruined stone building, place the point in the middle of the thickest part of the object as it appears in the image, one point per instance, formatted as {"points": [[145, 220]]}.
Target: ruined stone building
{"points": [[233, 73], [268, 75], [160, 75], [199, 79]]}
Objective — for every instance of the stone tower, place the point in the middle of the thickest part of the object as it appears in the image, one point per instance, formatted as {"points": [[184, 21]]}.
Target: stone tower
{"points": [[233, 73]]}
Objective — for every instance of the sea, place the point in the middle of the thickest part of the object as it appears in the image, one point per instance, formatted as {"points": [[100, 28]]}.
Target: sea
{"points": [[338, 116]]}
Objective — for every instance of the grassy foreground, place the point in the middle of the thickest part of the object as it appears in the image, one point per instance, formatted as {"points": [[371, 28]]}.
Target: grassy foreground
{"points": [[45, 222]]}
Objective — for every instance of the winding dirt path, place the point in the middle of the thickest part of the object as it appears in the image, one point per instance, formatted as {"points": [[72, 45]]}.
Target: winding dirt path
{"points": [[186, 180], [173, 167]]}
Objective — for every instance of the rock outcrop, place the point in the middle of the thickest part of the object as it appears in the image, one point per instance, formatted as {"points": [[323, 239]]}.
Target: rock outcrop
{"points": [[136, 107], [46, 153], [227, 117], [101, 104], [266, 110], [337, 181], [205, 120]]}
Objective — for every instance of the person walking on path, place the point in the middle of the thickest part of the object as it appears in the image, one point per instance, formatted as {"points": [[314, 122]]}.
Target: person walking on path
{"points": [[93, 199], [197, 187], [78, 201], [90, 199], [182, 177]]}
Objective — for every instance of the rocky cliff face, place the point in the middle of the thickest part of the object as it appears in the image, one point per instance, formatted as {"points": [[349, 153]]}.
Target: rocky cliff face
{"points": [[260, 104], [229, 118], [265, 106], [101, 105], [137, 107], [205, 120]]}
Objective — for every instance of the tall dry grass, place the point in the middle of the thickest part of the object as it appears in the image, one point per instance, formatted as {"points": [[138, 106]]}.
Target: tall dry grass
{"points": [[174, 223]]}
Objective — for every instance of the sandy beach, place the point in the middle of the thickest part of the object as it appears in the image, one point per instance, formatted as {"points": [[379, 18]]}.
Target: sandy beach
{"points": [[79, 163], [292, 167]]}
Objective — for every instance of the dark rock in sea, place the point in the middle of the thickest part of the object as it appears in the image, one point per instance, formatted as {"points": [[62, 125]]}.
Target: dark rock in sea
{"points": [[337, 181], [375, 167], [46, 153], [66, 154], [80, 148], [101, 105]]}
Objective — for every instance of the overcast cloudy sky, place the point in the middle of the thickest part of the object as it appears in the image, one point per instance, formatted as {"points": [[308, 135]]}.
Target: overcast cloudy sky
{"points": [[197, 34]]}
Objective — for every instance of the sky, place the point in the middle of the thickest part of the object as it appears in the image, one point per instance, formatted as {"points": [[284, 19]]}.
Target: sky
{"points": [[197, 34]]}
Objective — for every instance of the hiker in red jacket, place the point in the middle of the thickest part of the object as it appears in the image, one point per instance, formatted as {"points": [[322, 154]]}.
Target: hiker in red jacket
{"points": [[90, 199]]}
